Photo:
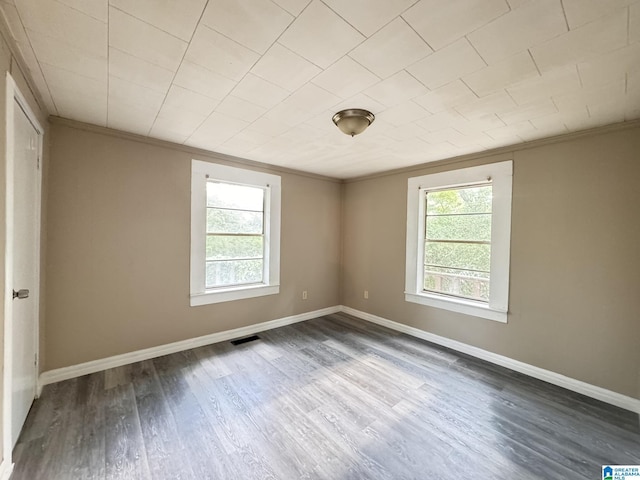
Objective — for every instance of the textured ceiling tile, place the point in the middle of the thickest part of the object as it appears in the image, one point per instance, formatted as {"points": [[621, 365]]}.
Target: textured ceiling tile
{"points": [[245, 141], [447, 96], [495, 77], [550, 125], [517, 3], [448, 64], [181, 98], [358, 101], [130, 118], [531, 24], [499, 102], [322, 122], [94, 8], [554, 82], [396, 89], [62, 79], [260, 92], [602, 36], [520, 130], [56, 20], [215, 130], [320, 36], [454, 19], [294, 7], [368, 16], [584, 96], [43, 88], [127, 93], [201, 80], [133, 36], [177, 17], [404, 113], [573, 120], [285, 68], [607, 68], [440, 120], [57, 53], [580, 12], [84, 109], [255, 24], [176, 125], [406, 132], [345, 78], [139, 71], [312, 99], [522, 113], [241, 109], [220, 54], [391, 49], [278, 107]]}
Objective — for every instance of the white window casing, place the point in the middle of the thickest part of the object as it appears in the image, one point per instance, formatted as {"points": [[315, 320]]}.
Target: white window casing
{"points": [[201, 172], [500, 175]]}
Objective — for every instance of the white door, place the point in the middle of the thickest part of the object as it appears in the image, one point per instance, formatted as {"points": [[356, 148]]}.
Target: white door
{"points": [[26, 227]]}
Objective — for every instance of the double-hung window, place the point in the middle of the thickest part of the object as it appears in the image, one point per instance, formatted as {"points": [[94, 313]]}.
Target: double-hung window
{"points": [[235, 233], [458, 238]]}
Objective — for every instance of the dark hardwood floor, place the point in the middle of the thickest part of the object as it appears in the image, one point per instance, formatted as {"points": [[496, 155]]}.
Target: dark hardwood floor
{"points": [[331, 398]]}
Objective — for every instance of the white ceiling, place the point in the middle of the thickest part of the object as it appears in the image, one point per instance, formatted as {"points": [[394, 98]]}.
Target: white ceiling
{"points": [[261, 79]]}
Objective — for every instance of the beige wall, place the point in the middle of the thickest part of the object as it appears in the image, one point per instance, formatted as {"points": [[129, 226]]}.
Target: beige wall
{"points": [[575, 260], [118, 249]]}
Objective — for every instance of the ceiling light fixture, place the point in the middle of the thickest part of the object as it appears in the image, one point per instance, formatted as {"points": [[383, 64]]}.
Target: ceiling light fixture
{"points": [[353, 121]]}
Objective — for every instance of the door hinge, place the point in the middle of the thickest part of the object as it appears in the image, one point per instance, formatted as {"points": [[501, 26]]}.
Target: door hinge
{"points": [[38, 163], [35, 361]]}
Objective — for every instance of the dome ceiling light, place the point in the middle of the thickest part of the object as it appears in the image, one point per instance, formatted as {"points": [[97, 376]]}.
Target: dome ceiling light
{"points": [[353, 121]]}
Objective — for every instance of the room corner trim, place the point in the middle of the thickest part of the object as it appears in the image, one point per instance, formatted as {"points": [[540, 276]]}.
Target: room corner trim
{"points": [[599, 393], [6, 468], [66, 373]]}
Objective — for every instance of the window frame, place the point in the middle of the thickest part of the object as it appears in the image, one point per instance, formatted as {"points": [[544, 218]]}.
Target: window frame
{"points": [[201, 172], [501, 175]]}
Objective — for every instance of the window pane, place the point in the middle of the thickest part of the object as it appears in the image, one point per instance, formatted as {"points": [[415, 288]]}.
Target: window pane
{"points": [[460, 200], [220, 247], [460, 227], [459, 255], [233, 221], [241, 197], [461, 283], [234, 272]]}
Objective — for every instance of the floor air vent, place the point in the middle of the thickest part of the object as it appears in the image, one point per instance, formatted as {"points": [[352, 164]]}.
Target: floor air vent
{"points": [[240, 341]]}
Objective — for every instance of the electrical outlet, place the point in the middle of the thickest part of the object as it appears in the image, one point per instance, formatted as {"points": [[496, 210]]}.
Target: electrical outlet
{"points": [[304, 294], [366, 294]]}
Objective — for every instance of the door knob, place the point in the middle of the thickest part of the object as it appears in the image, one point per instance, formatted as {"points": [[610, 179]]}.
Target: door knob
{"points": [[24, 293]]}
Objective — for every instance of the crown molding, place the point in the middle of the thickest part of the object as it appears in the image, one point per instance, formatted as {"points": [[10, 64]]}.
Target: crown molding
{"points": [[18, 58], [502, 153], [200, 152]]}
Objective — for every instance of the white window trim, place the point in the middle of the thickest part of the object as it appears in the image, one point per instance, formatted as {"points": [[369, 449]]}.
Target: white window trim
{"points": [[501, 175], [200, 172]]}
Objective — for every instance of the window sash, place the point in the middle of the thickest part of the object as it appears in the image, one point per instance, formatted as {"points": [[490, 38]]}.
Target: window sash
{"points": [[235, 234], [269, 229], [446, 283]]}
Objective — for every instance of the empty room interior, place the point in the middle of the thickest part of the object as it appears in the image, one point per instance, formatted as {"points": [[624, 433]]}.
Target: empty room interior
{"points": [[320, 239]]}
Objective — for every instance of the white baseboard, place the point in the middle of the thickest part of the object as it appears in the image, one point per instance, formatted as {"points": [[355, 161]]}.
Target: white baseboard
{"points": [[60, 374], [6, 468], [607, 396], [613, 398]]}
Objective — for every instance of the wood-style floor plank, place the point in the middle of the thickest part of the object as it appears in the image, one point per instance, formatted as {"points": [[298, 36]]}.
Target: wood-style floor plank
{"points": [[331, 398]]}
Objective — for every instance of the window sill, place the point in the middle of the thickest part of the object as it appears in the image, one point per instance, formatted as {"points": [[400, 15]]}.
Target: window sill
{"points": [[467, 307], [230, 294]]}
